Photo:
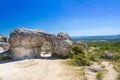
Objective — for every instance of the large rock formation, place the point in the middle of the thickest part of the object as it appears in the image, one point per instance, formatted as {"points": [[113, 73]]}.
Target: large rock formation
{"points": [[3, 43], [27, 43], [4, 48], [3, 38]]}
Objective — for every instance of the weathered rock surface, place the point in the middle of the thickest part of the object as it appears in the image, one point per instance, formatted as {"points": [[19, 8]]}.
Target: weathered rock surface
{"points": [[27, 43], [4, 42], [108, 54], [3, 39], [1, 49], [4, 45], [94, 68], [4, 48]]}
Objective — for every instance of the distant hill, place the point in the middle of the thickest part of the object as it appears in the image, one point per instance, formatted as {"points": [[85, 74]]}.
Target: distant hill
{"points": [[97, 38]]}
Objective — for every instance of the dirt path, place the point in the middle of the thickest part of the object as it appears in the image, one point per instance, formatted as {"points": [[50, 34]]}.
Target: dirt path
{"points": [[37, 69], [90, 75], [46, 69], [111, 73]]}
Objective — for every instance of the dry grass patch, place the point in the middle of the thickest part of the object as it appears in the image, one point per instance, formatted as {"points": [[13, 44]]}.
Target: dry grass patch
{"points": [[118, 77], [77, 71], [117, 68], [81, 72], [100, 74]]}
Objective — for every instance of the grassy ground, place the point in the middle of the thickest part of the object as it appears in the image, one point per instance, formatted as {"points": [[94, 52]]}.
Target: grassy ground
{"points": [[117, 68], [78, 70], [100, 74]]}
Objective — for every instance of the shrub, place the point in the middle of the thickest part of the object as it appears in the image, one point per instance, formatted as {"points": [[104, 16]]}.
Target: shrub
{"points": [[77, 49], [78, 56], [117, 57]]}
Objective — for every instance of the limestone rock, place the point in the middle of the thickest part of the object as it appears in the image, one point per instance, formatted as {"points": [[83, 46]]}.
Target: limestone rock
{"points": [[4, 45], [4, 48], [1, 50], [63, 36], [28, 43], [94, 68], [5, 55], [3, 38], [108, 54], [4, 42]]}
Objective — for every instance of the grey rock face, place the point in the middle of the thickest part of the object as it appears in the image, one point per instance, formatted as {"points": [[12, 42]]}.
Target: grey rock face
{"points": [[3, 39], [94, 68], [4, 42], [4, 48], [4, 45], [27, 43], [1, 49], [63, 36]]}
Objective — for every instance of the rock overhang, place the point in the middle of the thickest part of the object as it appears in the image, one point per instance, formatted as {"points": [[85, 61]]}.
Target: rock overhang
{"points": [[27, 43]]}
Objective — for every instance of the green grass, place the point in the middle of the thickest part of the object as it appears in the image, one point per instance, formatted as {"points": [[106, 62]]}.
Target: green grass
{"points": [[77, 70], [81, 73], [117, 68], [118, 77], [71, 62]]}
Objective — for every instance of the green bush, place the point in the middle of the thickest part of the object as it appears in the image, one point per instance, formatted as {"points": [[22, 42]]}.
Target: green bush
{"points": [[77, 49], [117, 57], [78, 56]]}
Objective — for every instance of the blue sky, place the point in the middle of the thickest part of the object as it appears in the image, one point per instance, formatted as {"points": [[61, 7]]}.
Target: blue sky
{"points": [[77, 17]]}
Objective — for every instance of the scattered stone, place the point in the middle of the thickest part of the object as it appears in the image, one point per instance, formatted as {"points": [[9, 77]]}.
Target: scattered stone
{"points": [[94, 68], [108, 55]]}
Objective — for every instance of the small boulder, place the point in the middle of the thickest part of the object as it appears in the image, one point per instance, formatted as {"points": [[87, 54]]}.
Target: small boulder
{"points": [[108, 55], [94, 68]]}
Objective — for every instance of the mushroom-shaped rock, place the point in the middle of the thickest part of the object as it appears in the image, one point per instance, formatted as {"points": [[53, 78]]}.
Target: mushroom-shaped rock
{"points": [[28, 43]]}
